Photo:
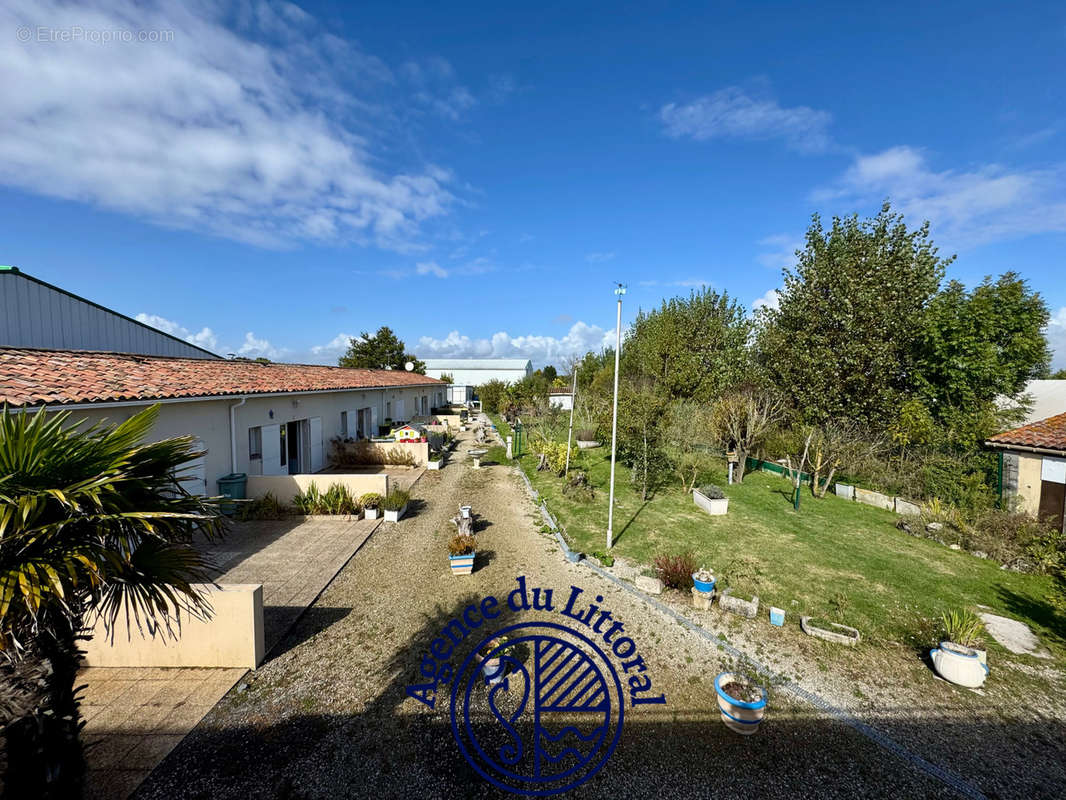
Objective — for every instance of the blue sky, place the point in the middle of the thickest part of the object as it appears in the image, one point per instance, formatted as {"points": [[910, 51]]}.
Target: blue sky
{"points": [[268, 179]]}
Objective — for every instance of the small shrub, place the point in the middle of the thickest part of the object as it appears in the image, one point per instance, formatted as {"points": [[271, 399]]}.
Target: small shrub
{"points": [[371, 500], [676, 571], [462, 545], [577, 488], [604, 558], [396, 499], [309, 500], [712, 492], [554, 455], [267, 507], [339, 499], [962, 627]]}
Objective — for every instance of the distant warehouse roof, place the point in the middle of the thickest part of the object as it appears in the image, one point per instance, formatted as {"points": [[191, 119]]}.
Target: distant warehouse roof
{"points": [[478, 363], [1046, 436], [62, 377]]}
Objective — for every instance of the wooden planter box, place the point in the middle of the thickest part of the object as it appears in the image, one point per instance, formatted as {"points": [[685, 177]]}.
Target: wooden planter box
{"points": [[395, 516], [462, 565], [713, 507]]}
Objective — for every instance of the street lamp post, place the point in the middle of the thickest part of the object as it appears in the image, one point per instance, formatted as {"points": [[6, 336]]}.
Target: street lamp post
{"points": [[620, 290]]}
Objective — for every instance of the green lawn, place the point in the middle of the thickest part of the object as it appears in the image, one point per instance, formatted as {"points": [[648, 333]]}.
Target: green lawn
{"points": [[833, 558]]}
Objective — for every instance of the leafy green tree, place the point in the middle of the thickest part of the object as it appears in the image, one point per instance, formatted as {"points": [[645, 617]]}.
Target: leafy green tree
{"points": [[976, 346], [641, 434], [89, 519], [447, 377], [842, 342], [742, 419], [695, 347], [1058, 376], [383, 350], [493, 396], [549, 373]]}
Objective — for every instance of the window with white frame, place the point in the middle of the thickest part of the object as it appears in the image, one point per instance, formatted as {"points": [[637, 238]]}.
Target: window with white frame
{"points": [[255, 443]]}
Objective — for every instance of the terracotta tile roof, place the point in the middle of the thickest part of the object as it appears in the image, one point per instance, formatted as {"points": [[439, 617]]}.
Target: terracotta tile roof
{"points": [[41, 377], [1048, 434]]}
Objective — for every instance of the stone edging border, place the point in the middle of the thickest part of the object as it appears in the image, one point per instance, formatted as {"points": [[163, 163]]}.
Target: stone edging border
{"points": [[945, 776]]}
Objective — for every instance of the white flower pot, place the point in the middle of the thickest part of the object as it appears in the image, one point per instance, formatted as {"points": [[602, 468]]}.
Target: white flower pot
{"points": [[370, 513], [395, 516], [959, 665], [433, 465], [584, 444], [715, 508]]}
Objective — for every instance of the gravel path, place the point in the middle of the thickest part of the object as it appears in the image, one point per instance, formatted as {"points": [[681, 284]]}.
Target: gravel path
{"points": [[329, 715]]}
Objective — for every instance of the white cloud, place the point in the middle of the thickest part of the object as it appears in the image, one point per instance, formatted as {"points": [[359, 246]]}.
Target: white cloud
{"points": [[731, 113], [436, 89], [254, 347], [431, 268], [333, 349], [205, 337], [247, 131], [541, 349], [599, 258], [779, 251], [770, 300], [1056, 335], [987, 203]]}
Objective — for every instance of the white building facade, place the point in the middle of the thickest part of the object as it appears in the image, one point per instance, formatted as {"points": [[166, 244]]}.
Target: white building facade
{"points": [[476, 371]]}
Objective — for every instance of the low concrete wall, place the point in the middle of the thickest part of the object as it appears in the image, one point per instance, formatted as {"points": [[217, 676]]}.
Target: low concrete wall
{"points": [[907, 508], [412, 454], [875, 499], [451, 420], [232, 637], [285, 487]]}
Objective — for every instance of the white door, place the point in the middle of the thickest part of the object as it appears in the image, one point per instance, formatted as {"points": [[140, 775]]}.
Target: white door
{"points": [[272, 451], [192, 475], [318, 460]]}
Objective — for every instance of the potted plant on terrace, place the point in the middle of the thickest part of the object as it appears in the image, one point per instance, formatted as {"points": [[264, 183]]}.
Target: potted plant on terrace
{"points": [[436, 461], [395, 504], [492, 667], [741, 700], [461, 551], [371, 502], [711, 499]]}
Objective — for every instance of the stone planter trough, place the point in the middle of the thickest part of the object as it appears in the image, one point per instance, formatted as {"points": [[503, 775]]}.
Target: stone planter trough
{"points": [[715, 508]]}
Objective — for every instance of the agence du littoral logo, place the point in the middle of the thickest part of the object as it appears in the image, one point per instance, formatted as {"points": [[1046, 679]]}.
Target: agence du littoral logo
{"points": [[536, 707]]}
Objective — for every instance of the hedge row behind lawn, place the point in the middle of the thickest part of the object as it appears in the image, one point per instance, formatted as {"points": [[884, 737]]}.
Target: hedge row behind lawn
{"points": [[834, 557]]}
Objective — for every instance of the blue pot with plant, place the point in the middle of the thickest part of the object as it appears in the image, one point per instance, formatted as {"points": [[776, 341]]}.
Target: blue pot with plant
{"points": [[703, 579]]}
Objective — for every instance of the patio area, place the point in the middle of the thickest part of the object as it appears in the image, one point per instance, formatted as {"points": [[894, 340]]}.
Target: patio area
{"points": [[136, 716]]}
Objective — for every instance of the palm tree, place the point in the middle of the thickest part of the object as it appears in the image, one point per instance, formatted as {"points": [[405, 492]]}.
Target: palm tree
{"points": [[92, 521]]}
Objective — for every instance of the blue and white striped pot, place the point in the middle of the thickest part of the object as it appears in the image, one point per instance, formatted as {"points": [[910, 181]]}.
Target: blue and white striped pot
{"points": [[739, 715], [462, 565]]}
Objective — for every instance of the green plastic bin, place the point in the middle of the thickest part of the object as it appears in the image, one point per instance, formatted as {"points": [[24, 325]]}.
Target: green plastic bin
{"points": [[232, 486]]}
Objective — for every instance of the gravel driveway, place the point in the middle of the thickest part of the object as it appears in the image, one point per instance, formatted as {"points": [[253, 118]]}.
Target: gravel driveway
{"points": [[329, 715]]}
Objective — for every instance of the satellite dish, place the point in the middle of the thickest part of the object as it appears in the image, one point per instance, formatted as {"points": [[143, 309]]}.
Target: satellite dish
{"points": [[409, 366]]}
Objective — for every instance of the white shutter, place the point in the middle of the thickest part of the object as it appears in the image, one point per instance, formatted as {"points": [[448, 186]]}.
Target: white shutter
{"points": [[1053, 470], [318, 460], [398, 415], [272, 450], [373, 422]]}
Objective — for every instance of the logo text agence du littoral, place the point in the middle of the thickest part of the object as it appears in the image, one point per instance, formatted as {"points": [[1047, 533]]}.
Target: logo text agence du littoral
{"points": [[536, 707]]}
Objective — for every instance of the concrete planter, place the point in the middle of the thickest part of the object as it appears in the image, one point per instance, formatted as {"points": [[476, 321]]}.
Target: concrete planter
{"points": [[462, 565], [959, 665], [734, 605], [395, 516], [715, 508], [702, 600], [844, 490], [371, 513], [842, 634], [584, 444], [738, 715], [434, 465], [875, 499]]}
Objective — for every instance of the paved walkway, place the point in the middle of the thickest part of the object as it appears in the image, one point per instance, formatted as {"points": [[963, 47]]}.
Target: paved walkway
{"points": [[136, 716], [330, 716]]}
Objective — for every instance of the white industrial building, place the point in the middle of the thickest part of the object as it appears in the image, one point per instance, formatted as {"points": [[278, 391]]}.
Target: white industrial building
{"points": [[39, 315], [476, 371]]}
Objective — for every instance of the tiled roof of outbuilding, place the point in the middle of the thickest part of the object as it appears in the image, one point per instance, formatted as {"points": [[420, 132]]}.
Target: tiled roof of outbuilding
{"points": [[1046, 434], [59, 377]]}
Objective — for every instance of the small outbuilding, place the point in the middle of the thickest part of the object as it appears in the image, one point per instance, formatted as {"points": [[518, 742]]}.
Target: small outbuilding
{"points": [[1033, 467]]}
